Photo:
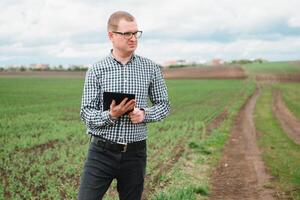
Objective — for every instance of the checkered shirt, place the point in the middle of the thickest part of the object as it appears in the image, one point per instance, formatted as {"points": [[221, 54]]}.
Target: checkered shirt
{"points": [[140, 76]]}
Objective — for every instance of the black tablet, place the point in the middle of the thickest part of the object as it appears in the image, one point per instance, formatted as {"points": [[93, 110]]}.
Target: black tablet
{"points": [[118, 97]]}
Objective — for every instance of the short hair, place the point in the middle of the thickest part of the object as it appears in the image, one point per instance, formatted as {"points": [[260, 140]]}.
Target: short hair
{"points": [[115, 18]]}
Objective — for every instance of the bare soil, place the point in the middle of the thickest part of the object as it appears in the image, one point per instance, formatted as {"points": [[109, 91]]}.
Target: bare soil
{"points": [[297, 63], [220, 72], [217, 121], [241, 173], [289, 123], [152, 180], [206, 72], [278, 77], [41, 147], [178, 73], [42, 74]]}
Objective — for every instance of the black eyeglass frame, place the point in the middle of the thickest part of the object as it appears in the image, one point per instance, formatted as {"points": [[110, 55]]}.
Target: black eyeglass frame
{"points": [[128, 35]]}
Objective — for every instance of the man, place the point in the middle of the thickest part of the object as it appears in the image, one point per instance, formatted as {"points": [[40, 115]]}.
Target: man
{"points": [[118, 140]]}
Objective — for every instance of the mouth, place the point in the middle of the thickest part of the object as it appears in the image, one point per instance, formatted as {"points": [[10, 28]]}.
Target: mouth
{"points": [[132, 45]]}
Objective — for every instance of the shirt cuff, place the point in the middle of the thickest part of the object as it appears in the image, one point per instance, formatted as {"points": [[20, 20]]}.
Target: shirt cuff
{"points": [[147, 114]]}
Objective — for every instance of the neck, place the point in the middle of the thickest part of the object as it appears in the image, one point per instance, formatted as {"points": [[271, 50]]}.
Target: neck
{"points": [[122, 57]]}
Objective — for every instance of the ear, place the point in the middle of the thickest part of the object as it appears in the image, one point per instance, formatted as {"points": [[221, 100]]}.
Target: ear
{"points": [[110, 35]]}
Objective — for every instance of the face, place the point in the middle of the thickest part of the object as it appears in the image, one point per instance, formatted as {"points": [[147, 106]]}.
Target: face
{"points": [[120, 43]]}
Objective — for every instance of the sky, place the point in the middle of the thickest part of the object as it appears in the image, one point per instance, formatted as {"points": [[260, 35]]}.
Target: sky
{"points": [[74, 31]]}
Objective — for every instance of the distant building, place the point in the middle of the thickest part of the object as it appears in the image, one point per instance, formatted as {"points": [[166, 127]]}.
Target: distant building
{"points": [[216, 62], [39, 66], [169, 63], [175, 63]]}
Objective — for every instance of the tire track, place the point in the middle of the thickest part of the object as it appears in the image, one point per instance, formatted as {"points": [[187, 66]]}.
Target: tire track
{"points": [[241, 172], [289, 123]]}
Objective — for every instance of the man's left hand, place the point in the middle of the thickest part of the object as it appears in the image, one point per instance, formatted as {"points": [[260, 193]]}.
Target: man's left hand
{"points": [[137, 115]]}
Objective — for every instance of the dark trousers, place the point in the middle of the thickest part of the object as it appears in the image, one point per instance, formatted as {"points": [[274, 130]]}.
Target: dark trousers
{"points": [[102, 166]]}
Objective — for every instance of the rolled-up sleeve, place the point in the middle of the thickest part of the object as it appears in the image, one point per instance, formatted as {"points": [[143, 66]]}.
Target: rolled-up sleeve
{"points": [[158, 96], [91, 113]]}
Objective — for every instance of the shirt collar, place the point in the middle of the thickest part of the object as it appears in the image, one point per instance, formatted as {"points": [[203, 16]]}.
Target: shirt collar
{"points": [[111, 56]]}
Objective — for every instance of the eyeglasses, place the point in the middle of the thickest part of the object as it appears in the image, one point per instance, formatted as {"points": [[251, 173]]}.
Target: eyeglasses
{"points": [[128, 35]]}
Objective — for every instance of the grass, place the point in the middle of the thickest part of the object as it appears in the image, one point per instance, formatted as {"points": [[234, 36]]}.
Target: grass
{"points": [[43, 142], [189, 179], [291, 96], [280, 153], [272, 68], [40, 125], [178, 194]]}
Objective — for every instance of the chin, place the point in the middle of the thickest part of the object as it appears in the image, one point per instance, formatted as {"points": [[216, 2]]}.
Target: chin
{"points": [[131, 49]]}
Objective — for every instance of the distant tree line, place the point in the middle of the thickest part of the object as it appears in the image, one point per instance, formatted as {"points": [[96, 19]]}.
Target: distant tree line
{"points": [[246, 61], [185, 65], [23, 68], [240, 62], [84, 68]]}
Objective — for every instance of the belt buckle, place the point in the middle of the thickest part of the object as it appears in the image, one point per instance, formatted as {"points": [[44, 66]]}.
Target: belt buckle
{"points": [[124, 147]]}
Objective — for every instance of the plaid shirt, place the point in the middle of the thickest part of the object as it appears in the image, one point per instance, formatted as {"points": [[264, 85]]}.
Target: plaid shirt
{"points": [[140, 76]]}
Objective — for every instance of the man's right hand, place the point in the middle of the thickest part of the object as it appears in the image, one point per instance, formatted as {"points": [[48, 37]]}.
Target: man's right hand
{"points": [[119, 110]]}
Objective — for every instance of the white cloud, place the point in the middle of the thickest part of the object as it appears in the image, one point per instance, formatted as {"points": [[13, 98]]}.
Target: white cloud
{"points": [[235, 50], [83, 51], [34, 19], [191, 28], [294, 21], [206, 17]]}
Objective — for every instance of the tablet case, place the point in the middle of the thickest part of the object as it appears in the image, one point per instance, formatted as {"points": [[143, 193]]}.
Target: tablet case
{"points": [[118, 97]]}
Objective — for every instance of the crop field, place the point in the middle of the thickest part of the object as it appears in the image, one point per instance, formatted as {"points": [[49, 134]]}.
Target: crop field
{"points": [[281, 151], [291, 95], [273, 68], [225, 138], [43, 141]]}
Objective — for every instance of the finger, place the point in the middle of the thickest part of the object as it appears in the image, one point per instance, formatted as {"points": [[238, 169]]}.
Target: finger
{"points": [[130, 114], [113, 104], [123, 102], [130, 105], [130, 108], [136, 110], [132, 101], [134, 118], [135, 121]]}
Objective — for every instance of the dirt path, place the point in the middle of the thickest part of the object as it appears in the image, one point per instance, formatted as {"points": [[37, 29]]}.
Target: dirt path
{"points": [[241, 173], [289, 123]]}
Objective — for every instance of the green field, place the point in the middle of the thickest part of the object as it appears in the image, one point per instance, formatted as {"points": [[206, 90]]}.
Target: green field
{"points": [[43, 141], [272, 68], [280, 153], [291, 96]]}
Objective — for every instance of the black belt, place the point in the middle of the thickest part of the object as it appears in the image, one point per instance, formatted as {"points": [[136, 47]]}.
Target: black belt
{"points": [[134, 146]]}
